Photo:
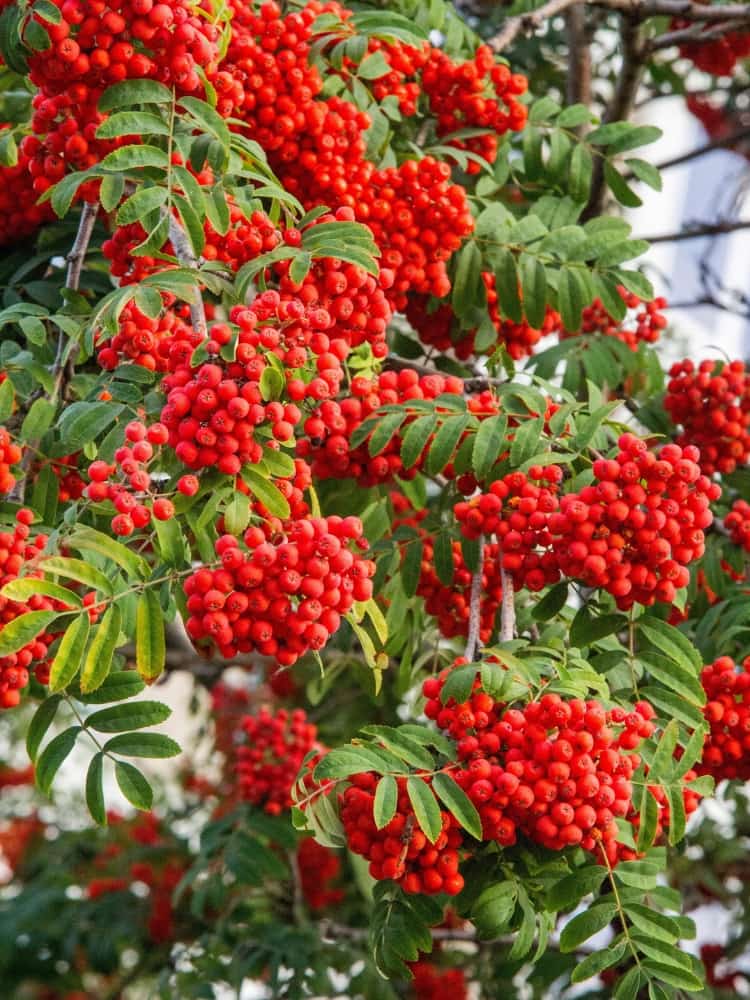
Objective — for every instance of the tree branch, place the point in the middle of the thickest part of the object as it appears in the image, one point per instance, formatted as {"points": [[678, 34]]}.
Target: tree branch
{"points": [[620, 106], [695, 33], [693, 154], [639, 10], [579, 57], [475, 606], [507, 607], [184, 254], [62, 370], [700, 229]]}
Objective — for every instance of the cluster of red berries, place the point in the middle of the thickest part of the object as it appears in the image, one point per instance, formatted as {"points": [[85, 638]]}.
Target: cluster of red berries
{"points": [[71, 486], [130, 493], [431, 982], [141, 339], [271, 753], [418, 219], [643, 324], [248, 237], [726, 978], [101, 42], [214, 411], [458, 97], [516, 510], [16, 837], [450, 604], [737, 523], [355, 300], [282, 595], [20, 215], [17, 550], [717, 56], [400, 850], [553, 770], [711, 403], [636, 528], [14, 777], [726, 752], [319, 868], [10, 455], [329, 429], [405, 62]]}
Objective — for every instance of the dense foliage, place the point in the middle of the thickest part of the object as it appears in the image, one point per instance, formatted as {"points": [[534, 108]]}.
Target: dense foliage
{"points": [[329, 380]]}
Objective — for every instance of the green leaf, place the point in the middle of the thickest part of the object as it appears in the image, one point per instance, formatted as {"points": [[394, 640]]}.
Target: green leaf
{"points": [[416, 437], [494, 909], [99, 657], [209, 119], [506, 283], [571, 889], [19, 632], [7, 395], [117, 686], [133, 157], [585, 629], [573, 116], [88, 539], [638, 874], [443, 558], [629, 985], [266, 492], [570, 298], [581, 172], [552, 603], [77, 569], [345, 761], [488, 443], [458, 803], [82, 422], [445, 442], [52, 757], [69, 654], [111, 191], [386, 799], [620, 188], [458, 684], [425, 806], [671, 642], [127, 717], [131, 92], [95, 789], [408, 749], [645, 172], [597, 962], [654, 924], [649, 817], [25, 587], [139, 205], [467, 279], [526, 441], [680, 978], [384, 431], [133, 785], [132, 123], [40, 723], [152, 745], [37, 420], [671, 705], [663, 759], [373, 66], [150, 645], [534, 289], [411, 567], [585, 925]]}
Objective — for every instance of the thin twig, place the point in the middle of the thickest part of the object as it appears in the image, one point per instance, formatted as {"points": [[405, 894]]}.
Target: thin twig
{"points": [[693, 154], [639, 10], [475, 605], [507, 607], [700, 229], [63, 367], [184, 254], [695, 33]]}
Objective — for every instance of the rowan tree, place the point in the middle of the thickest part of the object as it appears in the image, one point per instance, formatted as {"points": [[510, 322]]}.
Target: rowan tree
{"points": [[331, 378]]}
